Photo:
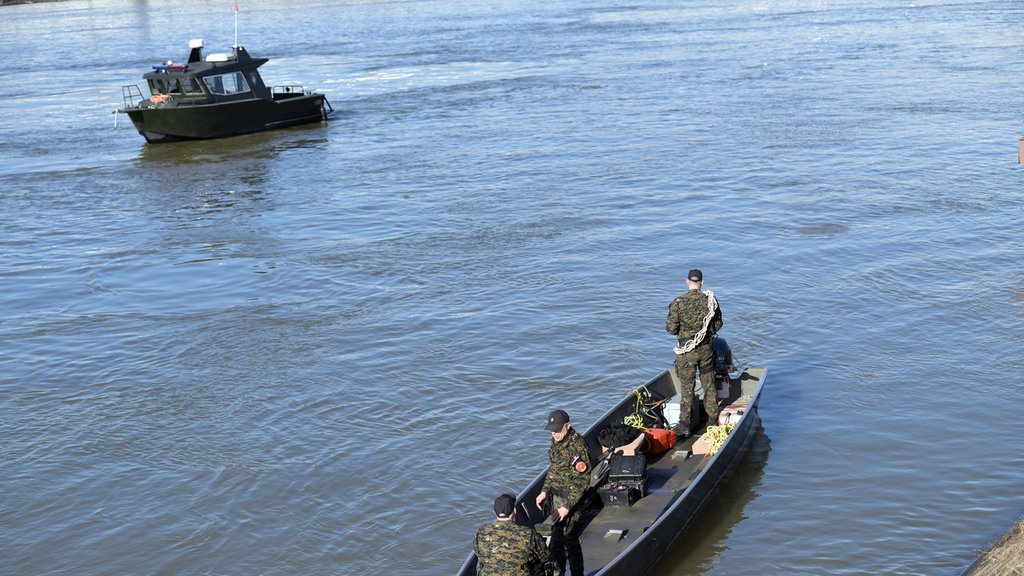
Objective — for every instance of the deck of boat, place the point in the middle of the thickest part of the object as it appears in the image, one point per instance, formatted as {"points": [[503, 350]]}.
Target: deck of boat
{"points": [[615, 528], [611, 530]]}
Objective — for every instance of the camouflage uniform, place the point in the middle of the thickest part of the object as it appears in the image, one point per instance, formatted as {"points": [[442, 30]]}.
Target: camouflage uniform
{"points": [[567, 480], [508, 549], [685, 319]]}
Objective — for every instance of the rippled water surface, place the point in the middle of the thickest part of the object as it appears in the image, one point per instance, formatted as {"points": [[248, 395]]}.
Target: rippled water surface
{"points": [[324, 350]]}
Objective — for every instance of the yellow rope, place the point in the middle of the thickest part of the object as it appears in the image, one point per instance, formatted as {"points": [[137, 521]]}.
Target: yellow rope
{"points": [[716, 436], [635, 419]]}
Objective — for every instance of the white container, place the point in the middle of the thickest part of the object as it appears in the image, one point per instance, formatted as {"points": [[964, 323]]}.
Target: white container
{"points": [[671, 410]]}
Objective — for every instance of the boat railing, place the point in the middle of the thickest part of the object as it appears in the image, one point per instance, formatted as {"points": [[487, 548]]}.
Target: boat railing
{"points": [[131, 95], [133, 98], [289, 91]]}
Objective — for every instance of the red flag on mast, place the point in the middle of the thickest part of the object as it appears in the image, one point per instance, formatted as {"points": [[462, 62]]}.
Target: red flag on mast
{"points": [[236, 6]]}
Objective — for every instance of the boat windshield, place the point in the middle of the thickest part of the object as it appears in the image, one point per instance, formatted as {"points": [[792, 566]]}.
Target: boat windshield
{"points": [[175, 86], [226, 84], [189, 86], [159, 86]]}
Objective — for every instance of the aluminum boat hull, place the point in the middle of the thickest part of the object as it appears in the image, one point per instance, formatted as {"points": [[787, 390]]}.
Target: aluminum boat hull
{"points": [[621, 541]]}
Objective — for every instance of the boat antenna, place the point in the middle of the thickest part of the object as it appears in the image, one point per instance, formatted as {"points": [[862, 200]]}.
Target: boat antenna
{"points": [[236, 23]]}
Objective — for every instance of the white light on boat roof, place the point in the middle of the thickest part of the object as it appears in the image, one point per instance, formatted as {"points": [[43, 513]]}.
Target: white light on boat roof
{"points": [[196, 43], [219, 57]]}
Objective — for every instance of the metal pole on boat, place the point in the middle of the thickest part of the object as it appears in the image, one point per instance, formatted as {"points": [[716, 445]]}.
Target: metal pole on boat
{"points": [[236, 23]]}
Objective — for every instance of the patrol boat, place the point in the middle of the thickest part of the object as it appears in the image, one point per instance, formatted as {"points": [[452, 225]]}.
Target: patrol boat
{"points": [[220, 96], [629, 536]]}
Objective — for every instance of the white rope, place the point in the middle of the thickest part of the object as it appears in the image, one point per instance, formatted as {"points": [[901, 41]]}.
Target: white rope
{"points": [[699, 336]]}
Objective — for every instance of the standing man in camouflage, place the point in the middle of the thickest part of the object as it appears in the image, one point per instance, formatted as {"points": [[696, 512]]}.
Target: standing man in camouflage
{"points": [[506, 548], [565, 484], [694, 318]]}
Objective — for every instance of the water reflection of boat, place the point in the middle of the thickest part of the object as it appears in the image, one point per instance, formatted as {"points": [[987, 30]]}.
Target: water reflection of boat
{"points": [[630, 540], [222, 95], [235, 153]]}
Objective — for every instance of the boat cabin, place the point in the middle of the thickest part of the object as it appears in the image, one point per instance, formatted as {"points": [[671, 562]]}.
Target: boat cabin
{"points": [[218, 78]]}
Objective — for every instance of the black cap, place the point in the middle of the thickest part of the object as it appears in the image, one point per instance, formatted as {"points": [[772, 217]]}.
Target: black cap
{"points": [[504, 505], [695, 275], [556, 420]]}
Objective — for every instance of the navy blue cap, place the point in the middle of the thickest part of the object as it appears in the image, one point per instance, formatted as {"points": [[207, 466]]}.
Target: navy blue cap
{"points": [[504, 505], [556, 420]]}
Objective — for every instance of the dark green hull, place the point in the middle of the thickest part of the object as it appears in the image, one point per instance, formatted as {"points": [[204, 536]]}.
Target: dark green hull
{"points": [[187, 121]]}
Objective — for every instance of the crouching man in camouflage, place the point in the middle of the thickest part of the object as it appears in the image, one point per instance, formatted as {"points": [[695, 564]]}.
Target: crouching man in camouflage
{"points": [[506, 548]]}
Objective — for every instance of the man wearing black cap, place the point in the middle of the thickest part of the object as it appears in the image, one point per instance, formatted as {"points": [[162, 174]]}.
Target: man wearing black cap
{"points": [[566, 482], [506, 548], [694, 318]]}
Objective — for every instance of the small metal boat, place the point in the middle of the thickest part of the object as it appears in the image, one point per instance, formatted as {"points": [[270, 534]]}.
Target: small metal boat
{"points": [[629, 540], [221, 95]]}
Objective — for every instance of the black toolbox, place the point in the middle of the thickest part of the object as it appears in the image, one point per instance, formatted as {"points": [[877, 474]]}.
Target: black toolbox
{"points": [[627, 469], [627, 480], [619, 494]]}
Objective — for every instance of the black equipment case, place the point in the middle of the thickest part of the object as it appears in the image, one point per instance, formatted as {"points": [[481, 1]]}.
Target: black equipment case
{"points": [[622, 468], [627, 480]]}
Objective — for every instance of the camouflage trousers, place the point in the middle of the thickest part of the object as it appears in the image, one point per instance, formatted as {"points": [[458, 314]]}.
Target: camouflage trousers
{"points": [[565, 544], [700, 358]]}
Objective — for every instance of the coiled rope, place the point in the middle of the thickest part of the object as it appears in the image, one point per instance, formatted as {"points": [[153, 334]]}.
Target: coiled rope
{"points": [[716, 436], [635, 419], [699, 336]]}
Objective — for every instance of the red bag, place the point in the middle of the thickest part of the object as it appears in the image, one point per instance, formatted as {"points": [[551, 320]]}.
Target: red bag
{"points": [[659, 440]]}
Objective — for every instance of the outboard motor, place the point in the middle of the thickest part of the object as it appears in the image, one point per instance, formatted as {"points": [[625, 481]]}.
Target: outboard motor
{"points": [[723, 360], [722, 357]]}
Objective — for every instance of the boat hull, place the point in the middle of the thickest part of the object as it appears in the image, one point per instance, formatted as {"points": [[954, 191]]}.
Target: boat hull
{"points": [[678, 488], [184, 121]]}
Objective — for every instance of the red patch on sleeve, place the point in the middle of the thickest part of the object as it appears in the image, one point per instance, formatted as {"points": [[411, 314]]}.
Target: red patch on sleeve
{"points": [[581, 466]]}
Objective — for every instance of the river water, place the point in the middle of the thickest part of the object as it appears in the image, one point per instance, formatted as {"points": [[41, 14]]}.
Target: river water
{"points": [[324, 350]]}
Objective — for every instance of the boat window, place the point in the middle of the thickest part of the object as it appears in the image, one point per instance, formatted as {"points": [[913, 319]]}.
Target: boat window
{"points": [[158, 86], [190, 86], [232, 83]]}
